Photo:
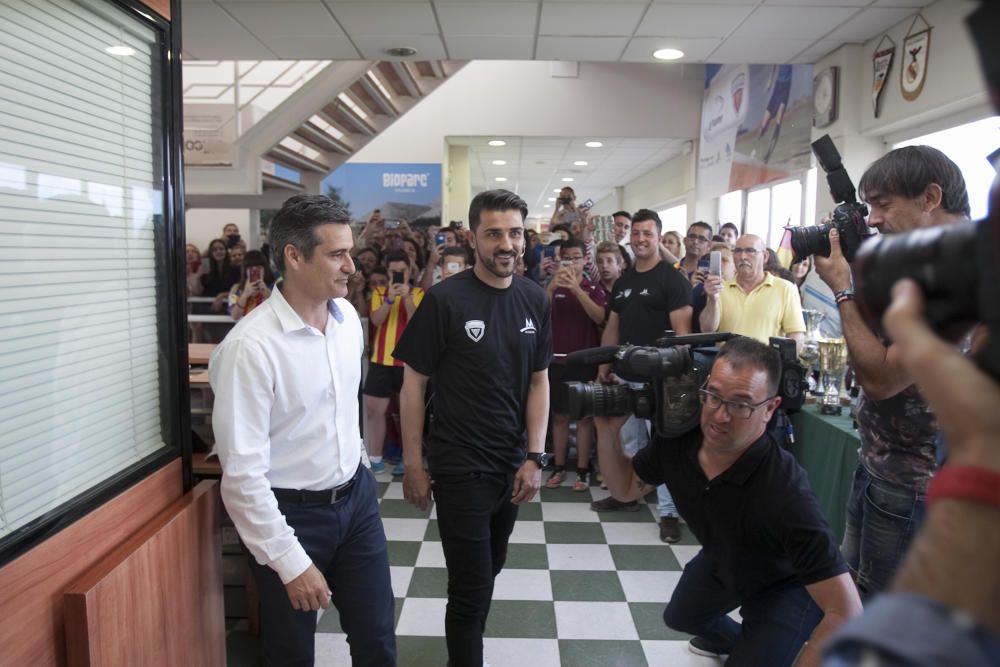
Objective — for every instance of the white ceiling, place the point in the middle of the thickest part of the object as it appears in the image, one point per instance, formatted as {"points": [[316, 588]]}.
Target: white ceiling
{"points": [[536, 165], [715, 31]]}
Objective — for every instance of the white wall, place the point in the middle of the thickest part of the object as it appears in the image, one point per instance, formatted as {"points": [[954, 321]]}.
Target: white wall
{"points": [[521, 98]]}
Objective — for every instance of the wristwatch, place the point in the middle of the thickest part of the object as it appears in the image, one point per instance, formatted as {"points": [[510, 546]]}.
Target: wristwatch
{"points": [[540, 459]]}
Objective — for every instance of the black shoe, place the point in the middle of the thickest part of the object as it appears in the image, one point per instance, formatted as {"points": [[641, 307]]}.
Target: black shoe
{"points": [[701, 646], [609, 504], [670, 529]]}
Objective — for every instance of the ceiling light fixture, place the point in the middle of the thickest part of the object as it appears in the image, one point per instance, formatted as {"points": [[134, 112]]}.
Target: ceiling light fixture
{"points": [[557, 191], [580, 163], [498, 142], [567, 179], [501, 179], [499, 163], [668, 54], [547, 206], [593, 144], [401, 51], [120, 50], [552, 198]]}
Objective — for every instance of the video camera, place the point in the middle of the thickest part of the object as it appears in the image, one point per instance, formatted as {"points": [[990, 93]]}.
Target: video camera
{"points": [[848, 218], [674, 370]]}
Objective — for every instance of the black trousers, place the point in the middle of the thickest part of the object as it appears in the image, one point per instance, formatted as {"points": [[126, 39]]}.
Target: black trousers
{"points": [[346, 542], [475, 519]]}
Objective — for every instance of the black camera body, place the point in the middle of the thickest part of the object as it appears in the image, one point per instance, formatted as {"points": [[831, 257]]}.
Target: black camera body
{"points": [[848, 217], [672, 372]]}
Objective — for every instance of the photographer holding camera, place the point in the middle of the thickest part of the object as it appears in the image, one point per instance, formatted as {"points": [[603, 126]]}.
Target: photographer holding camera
{"points": [[907, 189], [766, 546]]}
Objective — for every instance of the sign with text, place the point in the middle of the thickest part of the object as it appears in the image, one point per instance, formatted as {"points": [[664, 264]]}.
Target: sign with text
{"points": [[410, 191]]}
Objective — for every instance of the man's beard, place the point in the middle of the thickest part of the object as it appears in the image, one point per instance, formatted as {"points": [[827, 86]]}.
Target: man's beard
{"points": [[491, 264]]}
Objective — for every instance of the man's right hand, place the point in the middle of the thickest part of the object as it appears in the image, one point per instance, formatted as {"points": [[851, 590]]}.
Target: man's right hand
{"points": [[309, 591], [713, 286], [605, 375], [417, 486]]}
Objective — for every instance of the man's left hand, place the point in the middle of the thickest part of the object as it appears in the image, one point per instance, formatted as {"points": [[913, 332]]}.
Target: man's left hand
{"points": [[834, 270], [526, 483]]}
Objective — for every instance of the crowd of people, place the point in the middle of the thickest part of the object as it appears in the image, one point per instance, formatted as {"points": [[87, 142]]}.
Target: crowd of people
{"points": [[468, 336]]}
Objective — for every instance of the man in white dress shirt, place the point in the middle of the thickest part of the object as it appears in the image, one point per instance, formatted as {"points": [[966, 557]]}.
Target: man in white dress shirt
{"points": [[286, 384]]}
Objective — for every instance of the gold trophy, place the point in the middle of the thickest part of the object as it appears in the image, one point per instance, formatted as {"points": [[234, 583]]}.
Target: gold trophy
{"points": [[810, 347], [832, 363]]}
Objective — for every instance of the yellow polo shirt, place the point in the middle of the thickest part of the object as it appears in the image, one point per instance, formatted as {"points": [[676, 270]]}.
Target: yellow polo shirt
{"points": [[773, 308]]}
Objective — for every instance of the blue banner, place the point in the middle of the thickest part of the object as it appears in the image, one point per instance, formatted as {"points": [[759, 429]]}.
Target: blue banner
{"points": [[401, 191]]}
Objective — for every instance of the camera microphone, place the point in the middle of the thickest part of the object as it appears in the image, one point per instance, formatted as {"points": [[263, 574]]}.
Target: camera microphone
{"points": [[592, 356]]}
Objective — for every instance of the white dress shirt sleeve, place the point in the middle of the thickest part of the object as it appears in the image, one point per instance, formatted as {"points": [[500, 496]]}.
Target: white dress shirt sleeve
{"points": [[243, 381]]}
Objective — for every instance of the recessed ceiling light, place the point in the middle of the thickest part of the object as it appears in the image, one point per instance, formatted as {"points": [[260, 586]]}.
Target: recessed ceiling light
{"points": [[580, 163], [552, 198], [499, 163], [401, 51], [501, 179], [120, 50], [547, 206], [668, 54], [498, 142], [593, 144], [567, 179], [557, 191]]}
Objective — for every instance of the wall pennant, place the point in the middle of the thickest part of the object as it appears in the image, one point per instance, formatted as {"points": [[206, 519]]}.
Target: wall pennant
{"points": [[916, 48], [881, 64]]}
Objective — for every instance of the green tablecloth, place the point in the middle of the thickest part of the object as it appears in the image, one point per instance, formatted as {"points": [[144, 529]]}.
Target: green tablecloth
{"points": [[827, 447]]}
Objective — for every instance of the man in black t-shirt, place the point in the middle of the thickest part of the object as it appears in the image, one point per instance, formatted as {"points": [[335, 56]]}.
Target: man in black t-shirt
{"points": [[766, 546], [484, 337], [648, 299]]}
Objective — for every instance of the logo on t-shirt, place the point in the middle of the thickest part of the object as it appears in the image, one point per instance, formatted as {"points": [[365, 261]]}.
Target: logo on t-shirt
{"points": [[529, 326], [644, 292], [626, 294], [475, 330]]}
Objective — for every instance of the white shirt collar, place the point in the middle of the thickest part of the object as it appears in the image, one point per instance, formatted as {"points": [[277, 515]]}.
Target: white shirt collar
{"points": [[291, 321]]}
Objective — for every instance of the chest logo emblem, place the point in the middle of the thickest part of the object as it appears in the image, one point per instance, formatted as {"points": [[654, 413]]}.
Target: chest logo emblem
{"points": [[529, 326], [644, 292], [628, 293], [475, 330]]}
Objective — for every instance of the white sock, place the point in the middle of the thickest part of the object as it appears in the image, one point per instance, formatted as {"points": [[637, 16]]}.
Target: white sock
{"points": [[375, 459]]}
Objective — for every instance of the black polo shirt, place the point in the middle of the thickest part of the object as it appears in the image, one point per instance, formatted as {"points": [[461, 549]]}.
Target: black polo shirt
{"points": [[759, 523]]}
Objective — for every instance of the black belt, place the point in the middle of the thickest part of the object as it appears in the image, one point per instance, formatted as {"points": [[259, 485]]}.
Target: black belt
{"points": [[324, 497]]}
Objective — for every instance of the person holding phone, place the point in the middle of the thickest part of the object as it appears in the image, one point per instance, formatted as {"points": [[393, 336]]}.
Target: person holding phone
{"points": [[390, 310], [444, 239], [254, 287]]}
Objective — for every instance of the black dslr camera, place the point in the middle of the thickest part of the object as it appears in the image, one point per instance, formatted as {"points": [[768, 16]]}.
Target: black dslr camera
{"points": [[848, 218], [672, 373]]}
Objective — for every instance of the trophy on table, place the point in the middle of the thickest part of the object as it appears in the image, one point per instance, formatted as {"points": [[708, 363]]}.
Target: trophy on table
{"points": [[832, 363], [809, 356]]}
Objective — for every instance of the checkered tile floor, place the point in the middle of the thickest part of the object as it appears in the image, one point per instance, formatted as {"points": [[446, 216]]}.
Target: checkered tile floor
{"points": [[579, 588]]}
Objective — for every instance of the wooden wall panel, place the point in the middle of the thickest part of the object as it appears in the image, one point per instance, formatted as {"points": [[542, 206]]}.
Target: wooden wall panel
{"points": [[32, 586], [157, 598]]}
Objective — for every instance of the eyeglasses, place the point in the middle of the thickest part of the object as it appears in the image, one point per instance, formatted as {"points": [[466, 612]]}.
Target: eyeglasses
{"points": [[577, 258], [697, 237], [750, 252], [713, 401]]}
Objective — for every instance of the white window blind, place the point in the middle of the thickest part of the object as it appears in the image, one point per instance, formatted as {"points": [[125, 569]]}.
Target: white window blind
{"points": [[79, 188]]}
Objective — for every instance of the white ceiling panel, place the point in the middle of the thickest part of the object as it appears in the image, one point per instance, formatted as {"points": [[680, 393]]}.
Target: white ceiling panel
{"points": [[214, 35], [902, 3], [284, 18], [692, 20], [313, 47], [372, 47], [817, 51], [838, 3], [708, 2], [589, 19], [776, 23], [640, 49], [735, 50], [572, 48], [386, 18], [869, 23], [508, 18], [490, 47]]}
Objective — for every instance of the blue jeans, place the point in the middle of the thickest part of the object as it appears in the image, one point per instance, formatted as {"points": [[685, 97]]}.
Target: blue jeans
{"points": [[346, 542], [635, 436], [776, 623], [475, 519], [882, 519]]}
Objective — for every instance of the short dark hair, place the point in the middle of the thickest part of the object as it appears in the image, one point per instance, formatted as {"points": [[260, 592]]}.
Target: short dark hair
{"points": [[562, 227], [906, 172], [609, 246], [456, 251], [704, 225], [644, 214], [397, 256], [380, 270], [624, 214], [295, 224], [743, 352], [574, 243], [495, 200], [730, 225]]}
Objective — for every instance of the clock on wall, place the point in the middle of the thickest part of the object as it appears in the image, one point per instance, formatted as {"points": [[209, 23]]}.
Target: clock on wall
{"points": [[825, 93]]}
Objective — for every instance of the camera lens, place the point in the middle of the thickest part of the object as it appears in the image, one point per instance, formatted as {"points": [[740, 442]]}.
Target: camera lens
{"points": [[586, 400], [806, 241]]}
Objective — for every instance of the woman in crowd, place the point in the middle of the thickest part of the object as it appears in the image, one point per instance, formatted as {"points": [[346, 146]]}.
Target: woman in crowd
{"points": [[256, 281], [412, 249], [192, 259], [800, 270], [221, 275], [672, 242], [236, 254]]}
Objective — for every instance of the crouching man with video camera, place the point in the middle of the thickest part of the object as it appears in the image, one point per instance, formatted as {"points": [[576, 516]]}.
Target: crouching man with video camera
{"points": [[766, 547]]}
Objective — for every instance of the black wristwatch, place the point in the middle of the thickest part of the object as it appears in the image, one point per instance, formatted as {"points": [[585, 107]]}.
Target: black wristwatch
{"points": [[540, 459]]}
